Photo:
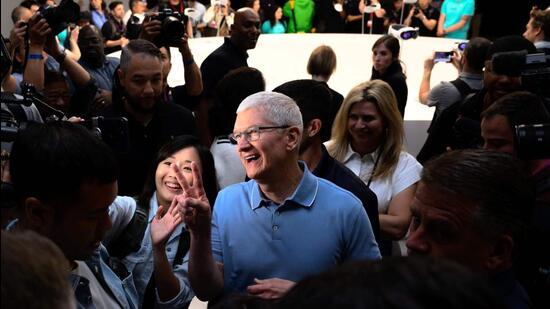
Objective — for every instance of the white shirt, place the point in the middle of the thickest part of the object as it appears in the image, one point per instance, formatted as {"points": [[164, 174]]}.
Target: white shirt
{"points": [[229, 168], [405, 175], [100, 297]]}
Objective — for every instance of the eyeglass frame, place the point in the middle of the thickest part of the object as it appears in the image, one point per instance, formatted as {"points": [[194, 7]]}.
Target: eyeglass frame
{"points": [[235, 140]]}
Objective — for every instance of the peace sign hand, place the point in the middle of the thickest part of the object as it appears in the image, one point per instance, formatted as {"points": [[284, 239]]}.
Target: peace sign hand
{"points": [[193, 202]]}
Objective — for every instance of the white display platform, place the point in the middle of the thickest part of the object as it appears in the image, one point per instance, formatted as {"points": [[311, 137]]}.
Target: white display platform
{"points": [[283, 57]]}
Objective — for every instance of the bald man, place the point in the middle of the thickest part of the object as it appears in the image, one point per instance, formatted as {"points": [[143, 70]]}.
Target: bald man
{"points": [[231, 55]]}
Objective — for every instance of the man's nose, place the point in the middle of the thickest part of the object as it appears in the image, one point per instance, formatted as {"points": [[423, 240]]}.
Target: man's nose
{"points": [[416, 242]]}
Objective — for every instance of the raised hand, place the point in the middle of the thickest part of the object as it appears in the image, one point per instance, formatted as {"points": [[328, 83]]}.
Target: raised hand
{"points": [[150, 28], [17, 35], [270, 288], [39, 30], [164, 224], [193, 202]]}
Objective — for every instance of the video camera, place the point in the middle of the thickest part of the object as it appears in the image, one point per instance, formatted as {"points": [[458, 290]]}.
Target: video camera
{"points": [[174, 26], [533, 141], [534, 69], [14, 116], [58, 17]]}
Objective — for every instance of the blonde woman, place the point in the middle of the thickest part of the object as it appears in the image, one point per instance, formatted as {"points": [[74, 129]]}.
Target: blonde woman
{"points": [[367, 137]]}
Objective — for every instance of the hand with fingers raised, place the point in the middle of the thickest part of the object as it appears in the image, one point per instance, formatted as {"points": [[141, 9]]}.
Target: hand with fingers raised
{"points": [[193, 203], [164, 224]]}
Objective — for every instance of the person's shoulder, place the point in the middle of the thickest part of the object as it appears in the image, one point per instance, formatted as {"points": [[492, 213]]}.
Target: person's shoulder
{"points": [[407, 162], [113, 60], [336, 193], [234, 192]]}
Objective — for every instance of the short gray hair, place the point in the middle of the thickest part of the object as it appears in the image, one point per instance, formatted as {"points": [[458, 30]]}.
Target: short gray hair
{"points": [[275, 106]]}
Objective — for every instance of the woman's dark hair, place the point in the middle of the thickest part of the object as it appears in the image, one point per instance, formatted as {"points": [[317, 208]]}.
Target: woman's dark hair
{"points": [[207, 164], [391, 43], [103, 6], [272, 12]]}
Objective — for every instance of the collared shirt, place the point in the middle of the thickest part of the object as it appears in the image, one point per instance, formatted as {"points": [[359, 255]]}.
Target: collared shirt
{"points": [[103, 75], [224, 59], [122, 290], [406, 174], [330, 169], [141, 263], [319, 226]]}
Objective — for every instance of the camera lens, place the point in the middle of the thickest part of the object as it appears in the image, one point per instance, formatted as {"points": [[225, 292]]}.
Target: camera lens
{"points": [[173, 28]]}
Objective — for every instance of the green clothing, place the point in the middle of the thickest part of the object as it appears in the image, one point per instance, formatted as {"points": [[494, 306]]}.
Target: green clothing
{"points": [[304, 10]]}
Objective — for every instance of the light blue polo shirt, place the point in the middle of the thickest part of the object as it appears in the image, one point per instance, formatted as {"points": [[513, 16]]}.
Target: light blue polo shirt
{"points": [[319, 226]]}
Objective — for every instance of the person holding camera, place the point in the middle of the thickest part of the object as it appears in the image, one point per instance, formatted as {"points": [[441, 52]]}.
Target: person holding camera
{"points": [[498, 129], [218, 18], [137, 97], [424, 17], [458, 126], [470, 77]]}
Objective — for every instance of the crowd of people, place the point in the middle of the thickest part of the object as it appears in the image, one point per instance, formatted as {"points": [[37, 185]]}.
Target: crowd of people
{"points": [[119, 191]]}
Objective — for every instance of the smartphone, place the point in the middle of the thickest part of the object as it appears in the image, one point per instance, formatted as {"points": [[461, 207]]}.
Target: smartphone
{"points": [[441, 56]]}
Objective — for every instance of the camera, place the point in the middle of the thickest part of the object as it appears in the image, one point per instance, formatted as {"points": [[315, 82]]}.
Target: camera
{"points": [[173, 27], [534, 69], [533, 141], [112, 130], [416, 9], [403, 32], [58, 17]]}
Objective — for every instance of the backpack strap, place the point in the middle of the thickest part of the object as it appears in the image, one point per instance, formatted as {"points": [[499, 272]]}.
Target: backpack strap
{"points": [[462, 87], [183, 246], [131, 237]]}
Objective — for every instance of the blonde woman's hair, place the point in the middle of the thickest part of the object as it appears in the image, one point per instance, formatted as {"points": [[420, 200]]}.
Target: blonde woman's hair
{"points": [[380, 94]]}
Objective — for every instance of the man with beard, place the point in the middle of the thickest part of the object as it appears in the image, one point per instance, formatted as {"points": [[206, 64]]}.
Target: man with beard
{"points": [[151, 122], [231, 55], [93, 59], [474, 207]]}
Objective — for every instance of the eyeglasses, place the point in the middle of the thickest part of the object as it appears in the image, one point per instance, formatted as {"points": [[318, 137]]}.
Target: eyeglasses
{"points": [[252, 133]]}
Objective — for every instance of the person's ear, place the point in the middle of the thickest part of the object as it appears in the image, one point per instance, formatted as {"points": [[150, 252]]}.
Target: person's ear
{"points": [[38, 216], [500, 254], [293, 138], [314, 127], [121, 76]]}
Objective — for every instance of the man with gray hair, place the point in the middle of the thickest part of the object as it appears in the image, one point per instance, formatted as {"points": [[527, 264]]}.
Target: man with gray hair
{"points": [[299, 223]]}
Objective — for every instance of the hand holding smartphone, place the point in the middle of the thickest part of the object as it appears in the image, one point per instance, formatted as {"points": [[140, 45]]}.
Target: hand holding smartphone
{"points": [[443, 56]]}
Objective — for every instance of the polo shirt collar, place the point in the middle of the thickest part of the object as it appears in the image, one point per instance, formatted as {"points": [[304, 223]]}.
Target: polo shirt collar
{"points": [[304, 195]]}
